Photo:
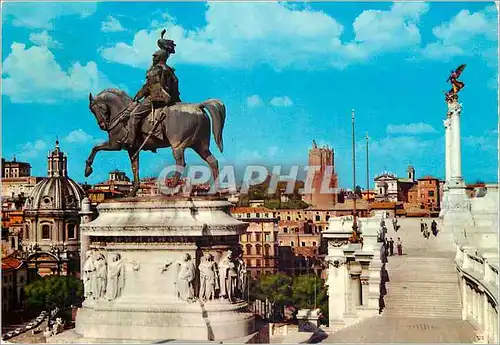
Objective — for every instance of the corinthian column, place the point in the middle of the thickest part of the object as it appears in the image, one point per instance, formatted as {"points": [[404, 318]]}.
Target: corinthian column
{"points": [[456, 163], [448, 154]]}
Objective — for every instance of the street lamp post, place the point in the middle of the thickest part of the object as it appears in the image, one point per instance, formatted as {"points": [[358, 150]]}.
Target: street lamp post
{"points": [[355, 223]]}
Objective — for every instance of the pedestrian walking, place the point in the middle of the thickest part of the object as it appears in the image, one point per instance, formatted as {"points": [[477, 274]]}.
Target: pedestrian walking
{"points": [[391, 247], [399, 244], [434, 228], [422, 226]]}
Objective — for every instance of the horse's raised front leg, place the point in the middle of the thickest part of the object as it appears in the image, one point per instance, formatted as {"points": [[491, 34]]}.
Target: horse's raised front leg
{"points": [[180, 162], [106, 146], [134, 161]]}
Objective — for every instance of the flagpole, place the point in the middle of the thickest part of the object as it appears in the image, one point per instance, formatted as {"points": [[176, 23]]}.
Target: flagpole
{"points": [[354, 224]]}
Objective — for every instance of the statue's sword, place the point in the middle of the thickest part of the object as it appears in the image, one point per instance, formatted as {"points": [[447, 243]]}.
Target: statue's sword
{"points": [[160, 119]]}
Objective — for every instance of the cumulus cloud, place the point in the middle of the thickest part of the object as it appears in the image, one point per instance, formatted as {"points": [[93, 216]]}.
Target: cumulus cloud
{"points": [[411, 128], [48, 82], [282, 101], [277, 34], [43, 39], [466, 34], [254, 101], [31, 149], [78, 136], [42, 14], [111, 24]]}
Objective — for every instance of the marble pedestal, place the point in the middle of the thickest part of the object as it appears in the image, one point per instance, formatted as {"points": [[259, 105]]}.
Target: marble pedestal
{"points": [[153, 248]]}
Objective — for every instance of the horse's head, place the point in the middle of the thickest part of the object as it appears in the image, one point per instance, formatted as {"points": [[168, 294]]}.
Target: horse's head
{"points": [[107, 105], [100, 110]]}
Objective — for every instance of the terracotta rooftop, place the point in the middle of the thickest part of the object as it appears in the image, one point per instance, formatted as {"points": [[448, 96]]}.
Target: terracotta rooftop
{"points": [[11, 263], [428, 177], [251, 210]]}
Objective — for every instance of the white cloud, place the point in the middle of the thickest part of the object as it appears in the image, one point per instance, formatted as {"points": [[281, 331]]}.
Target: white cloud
{"points": [[41, 15], [48, 82], [276, 34], [411, 128], [31, 149], [111, 24], [283, 101], [379, 31], [44, 39], [254, 101], [466, 34], [78, 136]]}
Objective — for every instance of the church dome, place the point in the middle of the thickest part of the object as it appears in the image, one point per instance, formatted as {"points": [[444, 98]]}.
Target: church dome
{"points": [[57, 191]]}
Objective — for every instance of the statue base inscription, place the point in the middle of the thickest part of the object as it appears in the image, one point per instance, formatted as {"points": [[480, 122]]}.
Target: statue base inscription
{"points": [[164, 268]]}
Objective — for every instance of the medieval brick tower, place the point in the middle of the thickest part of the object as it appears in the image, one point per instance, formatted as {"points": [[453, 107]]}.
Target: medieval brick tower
{"points": [[322, 157]]}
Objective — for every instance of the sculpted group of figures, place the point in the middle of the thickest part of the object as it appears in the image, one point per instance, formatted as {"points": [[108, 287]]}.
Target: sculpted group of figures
{"points": [[226, 280], [103, 278]]}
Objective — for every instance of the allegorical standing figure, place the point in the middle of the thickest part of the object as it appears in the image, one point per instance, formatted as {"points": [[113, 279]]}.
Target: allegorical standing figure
{"points": [[187, 274], [208, 278], [226, 276], [116, 277], [160, 90], [101, 275], [242, 276], [89, 275]]}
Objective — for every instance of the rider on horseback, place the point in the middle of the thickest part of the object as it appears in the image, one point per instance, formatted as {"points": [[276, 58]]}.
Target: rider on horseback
{"points": [[160, 90]]}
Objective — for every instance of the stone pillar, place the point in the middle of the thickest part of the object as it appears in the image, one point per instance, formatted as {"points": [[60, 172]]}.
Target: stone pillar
{"points": [[456, 151], [448, 156], [86, 215], [486, 319], [464, 299]]}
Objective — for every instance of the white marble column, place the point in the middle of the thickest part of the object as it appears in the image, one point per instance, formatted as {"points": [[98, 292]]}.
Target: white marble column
{"points": [[448, 156], [456, 152]]}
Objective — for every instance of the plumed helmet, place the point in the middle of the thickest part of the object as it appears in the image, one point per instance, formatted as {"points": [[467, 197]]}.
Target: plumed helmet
{"points": [[165, 44]]}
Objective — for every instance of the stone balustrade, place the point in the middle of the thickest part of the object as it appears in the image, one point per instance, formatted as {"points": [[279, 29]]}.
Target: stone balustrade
{"points": [[478, 276]]}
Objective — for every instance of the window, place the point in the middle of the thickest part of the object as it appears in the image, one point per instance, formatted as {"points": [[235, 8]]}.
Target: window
{"points": [[258, 262], [320, 228], [45, 232], [292, 243], [268, 237], [314, 244], [288, 218], [257, 215], [249, 249], [431, 193], [267, 250], [248, 215], [285, 230], [257, 237], [258, 250], [266, 263], [281, 243], [303, 244], [318, 218], [327, 218], [266, 215], [71, 231]]}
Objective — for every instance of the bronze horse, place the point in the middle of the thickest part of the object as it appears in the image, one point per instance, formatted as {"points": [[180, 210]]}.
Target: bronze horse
{"points": [[185, 125]]}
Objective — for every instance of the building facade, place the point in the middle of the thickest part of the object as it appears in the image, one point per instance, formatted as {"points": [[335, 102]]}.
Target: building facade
{"points": [[14, 277], [51, 238], [259, 243]]}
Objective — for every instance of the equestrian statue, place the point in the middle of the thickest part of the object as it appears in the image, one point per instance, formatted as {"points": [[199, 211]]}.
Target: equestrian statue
{"points": [[156, 118]]}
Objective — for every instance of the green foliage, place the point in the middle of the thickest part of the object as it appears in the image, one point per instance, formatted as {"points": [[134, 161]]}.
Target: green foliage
{"points": [[309, 292], [275, 287], [54, 291]]}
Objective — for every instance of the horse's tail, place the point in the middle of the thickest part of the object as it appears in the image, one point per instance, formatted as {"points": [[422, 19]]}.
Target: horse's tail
{"points": [[217, 111]]}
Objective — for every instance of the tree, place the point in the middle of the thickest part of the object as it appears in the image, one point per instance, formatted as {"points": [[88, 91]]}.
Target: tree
{"points": [[277, 288], [54, 291], [358, 191], [309, 292]]}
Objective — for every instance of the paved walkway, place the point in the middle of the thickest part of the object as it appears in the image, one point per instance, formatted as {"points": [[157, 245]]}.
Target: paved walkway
{"points": [[423, 297]]}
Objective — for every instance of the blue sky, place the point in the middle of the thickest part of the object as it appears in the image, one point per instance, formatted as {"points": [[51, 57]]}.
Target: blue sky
{"points": [[288, 74]]}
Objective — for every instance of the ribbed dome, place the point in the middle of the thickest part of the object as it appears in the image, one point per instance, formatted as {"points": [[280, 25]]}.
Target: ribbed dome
{"points": [[59, 193]]}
